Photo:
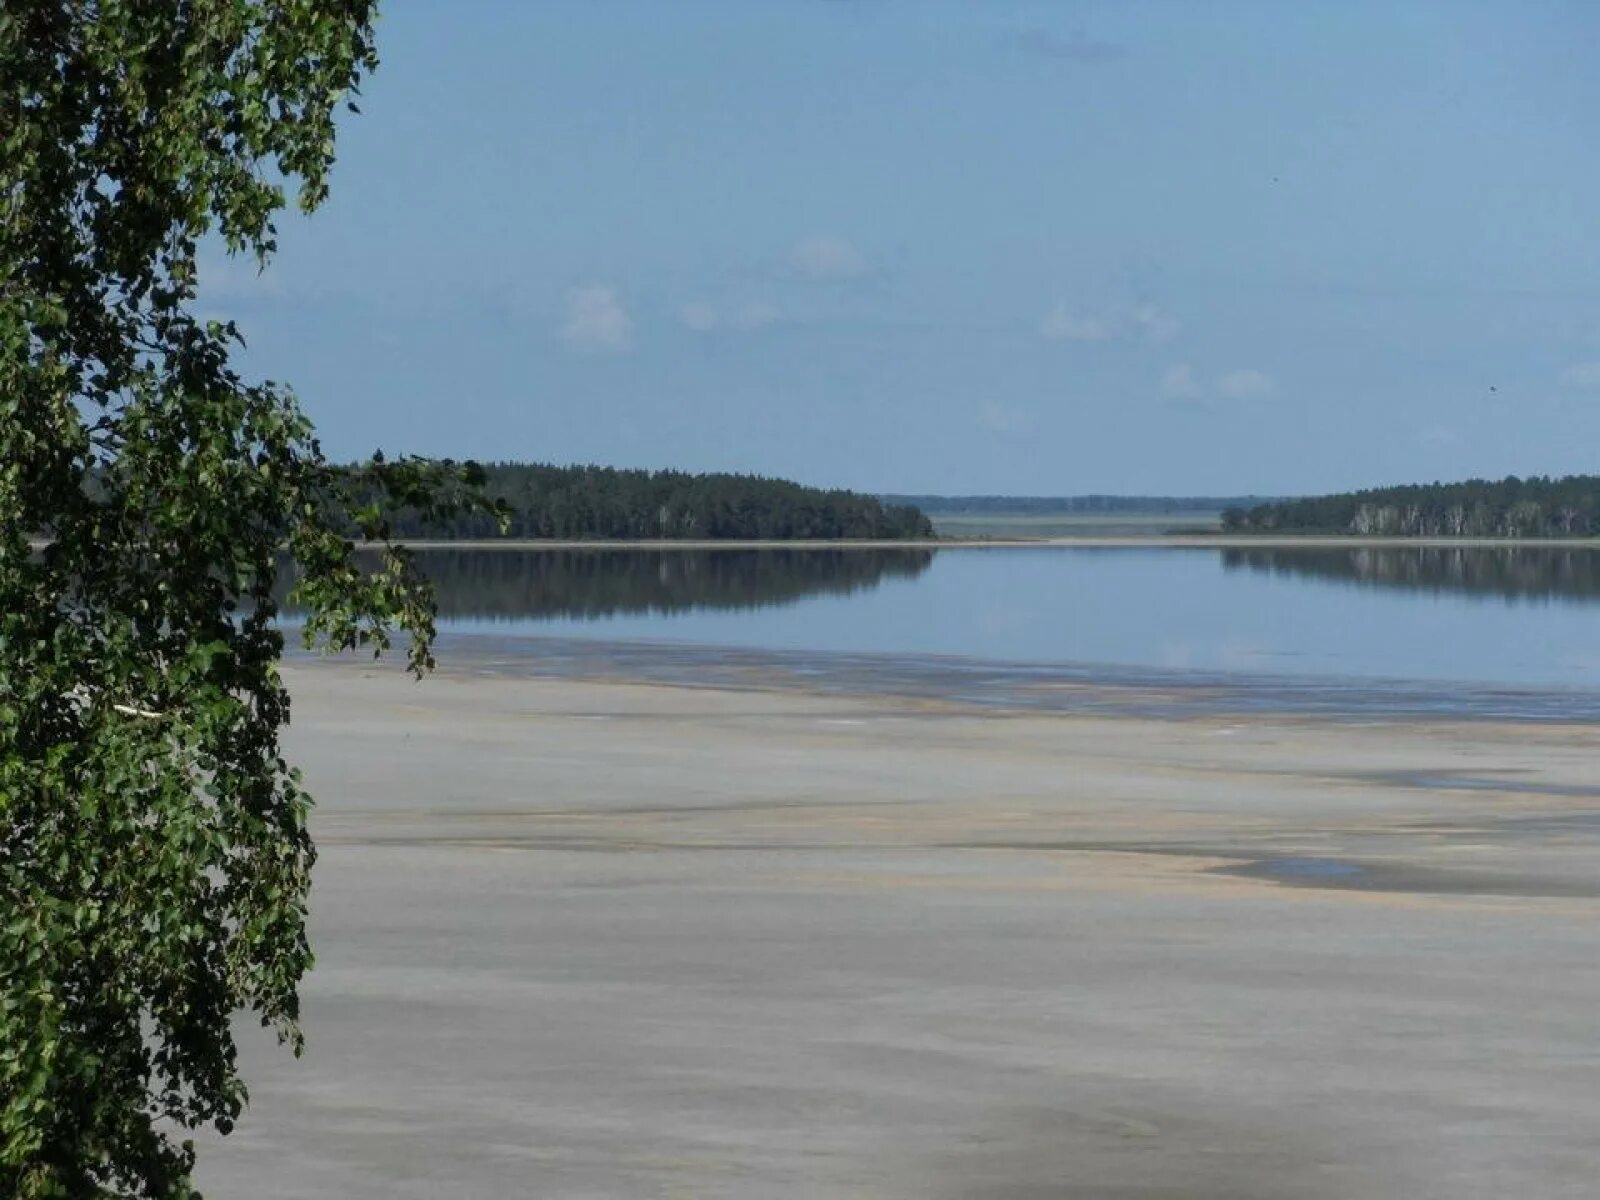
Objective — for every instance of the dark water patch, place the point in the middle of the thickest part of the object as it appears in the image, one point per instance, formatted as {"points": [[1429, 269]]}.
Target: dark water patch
{"points": [[1137, 1138], [1467, 781], [1307, 868], [1295, 871], [1585, 822], [1565, 826]]}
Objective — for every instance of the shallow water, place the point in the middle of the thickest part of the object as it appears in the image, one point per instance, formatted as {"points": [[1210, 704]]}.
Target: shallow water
{"points": [[1526, 616], [1483, 632], [999, 684]]}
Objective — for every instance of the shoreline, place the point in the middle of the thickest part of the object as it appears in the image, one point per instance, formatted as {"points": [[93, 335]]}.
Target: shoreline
{"points": [[1200, 541], [1083, 541], [1001, 687]]}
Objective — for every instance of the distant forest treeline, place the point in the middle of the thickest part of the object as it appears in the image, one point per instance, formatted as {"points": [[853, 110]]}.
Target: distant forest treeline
{"points": [[1538, 506], [1057, 505], [587, 502]]}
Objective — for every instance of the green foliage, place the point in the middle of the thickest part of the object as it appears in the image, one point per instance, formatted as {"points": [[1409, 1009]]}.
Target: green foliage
{"points": [[602, 502], [1510, 507], [154, 857]]}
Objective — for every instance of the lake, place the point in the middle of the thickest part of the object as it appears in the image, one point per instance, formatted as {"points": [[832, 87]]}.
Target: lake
{"points": [[1523, 618]]}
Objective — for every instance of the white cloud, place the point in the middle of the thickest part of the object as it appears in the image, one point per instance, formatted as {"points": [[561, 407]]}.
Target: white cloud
{"points": [[1244, 384], [704, 317], [700, 316], [596, 322], [1582, 375], [757, 314], [1145, 321], [827, 258], [1154, 324], [1061, 325], [1178, 382]]}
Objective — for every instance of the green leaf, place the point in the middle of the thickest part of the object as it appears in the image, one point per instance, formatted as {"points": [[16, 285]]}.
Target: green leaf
{"points": [[154, 859]]}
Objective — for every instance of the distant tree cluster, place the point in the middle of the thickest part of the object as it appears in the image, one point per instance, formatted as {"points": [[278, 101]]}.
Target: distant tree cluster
{"points": [[587, 502], [1059, 505], [1538, 506]]}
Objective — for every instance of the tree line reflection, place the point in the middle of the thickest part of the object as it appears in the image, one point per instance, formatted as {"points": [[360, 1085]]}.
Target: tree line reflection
{"points": [[512, 584], [1511, 572]]}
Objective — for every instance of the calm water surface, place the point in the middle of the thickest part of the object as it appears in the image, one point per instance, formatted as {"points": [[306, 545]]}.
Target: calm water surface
{"points": [[1520, 617]]}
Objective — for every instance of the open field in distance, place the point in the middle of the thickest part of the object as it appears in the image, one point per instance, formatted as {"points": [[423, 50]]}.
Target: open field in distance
{"points": [[1037, 525]]}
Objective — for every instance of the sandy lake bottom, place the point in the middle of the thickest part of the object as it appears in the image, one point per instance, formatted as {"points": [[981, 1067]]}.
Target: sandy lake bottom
{"points": [[599, 938]]}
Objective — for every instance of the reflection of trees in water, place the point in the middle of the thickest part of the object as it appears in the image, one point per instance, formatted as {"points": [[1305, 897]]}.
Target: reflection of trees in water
{"points": [[507, 584], [1511, 572]]}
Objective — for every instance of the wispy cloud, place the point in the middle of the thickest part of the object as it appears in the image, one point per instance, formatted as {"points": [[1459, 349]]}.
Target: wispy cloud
{"points": [[1180, 381], [596, 322], [1061, 324], [1075, 46], [827, 258], [1246, 383], [1154, 324], [1146, 322], [700, 316], [757, 314], [1582, 375], [704, 317]]}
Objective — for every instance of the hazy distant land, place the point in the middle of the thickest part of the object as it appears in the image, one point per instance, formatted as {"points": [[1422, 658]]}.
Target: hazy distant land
{"points": [[991, 516], [1512, 509]]}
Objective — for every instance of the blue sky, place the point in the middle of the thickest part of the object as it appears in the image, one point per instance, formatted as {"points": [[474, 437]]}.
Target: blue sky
{"points": [[907, 245]]}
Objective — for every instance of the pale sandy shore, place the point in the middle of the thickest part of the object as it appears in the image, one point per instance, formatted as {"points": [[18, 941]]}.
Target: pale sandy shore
{"points": [[611, 940]]}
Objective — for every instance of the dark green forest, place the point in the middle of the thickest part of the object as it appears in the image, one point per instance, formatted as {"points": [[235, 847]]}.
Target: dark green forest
{"points": [[1538, 506], [589, 502]]}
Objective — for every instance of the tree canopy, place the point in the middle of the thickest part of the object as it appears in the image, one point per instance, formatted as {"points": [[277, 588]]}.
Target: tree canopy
{"points": [[582, 502], [1537, 506], [154, 855]]}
